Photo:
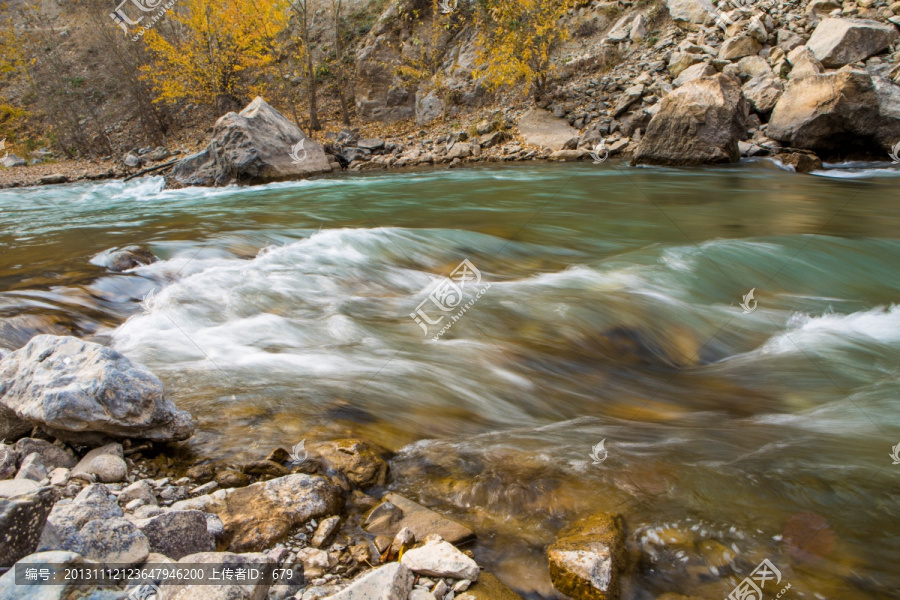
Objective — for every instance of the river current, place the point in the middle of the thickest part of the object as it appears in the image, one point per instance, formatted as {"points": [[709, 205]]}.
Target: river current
{"points": [[602, 303]]}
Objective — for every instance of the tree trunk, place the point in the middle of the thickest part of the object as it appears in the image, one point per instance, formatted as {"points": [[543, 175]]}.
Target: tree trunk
{"points": [[339, 55]]}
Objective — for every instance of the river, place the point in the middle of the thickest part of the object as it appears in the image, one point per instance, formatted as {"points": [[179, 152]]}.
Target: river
{"points": [[604, 303]]}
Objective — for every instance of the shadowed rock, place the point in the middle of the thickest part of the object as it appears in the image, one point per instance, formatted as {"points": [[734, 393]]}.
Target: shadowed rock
{"points": [[22, 519], [254, 146]]}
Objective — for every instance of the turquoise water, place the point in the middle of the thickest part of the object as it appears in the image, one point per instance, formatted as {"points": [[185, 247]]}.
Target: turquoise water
{"points": [[609, 309]]}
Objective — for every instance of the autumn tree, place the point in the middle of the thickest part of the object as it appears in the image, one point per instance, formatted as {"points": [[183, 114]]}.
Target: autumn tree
{"points": [[516, 39], [218, 53]]}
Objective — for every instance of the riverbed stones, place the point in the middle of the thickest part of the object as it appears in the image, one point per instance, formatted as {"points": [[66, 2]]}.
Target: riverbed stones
{"points": [[397, 512], [359, 461], [105, 463], [699, 123], [22, 518], [83, 392], [139, 490], [438, 558], [587, 558], [213, 564], [390, 582], [259, 515], [839, 42], [256, 145], [115, 541], [540, 128], [177, 533]]}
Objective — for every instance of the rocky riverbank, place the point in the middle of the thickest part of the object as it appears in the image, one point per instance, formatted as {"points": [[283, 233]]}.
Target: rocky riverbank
{"points": [[89, 477]]}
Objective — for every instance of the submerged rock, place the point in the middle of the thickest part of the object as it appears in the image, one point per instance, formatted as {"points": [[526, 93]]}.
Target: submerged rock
{"points": [[357, 460], [699, 123], [398, 512], [123, 259], [587, 558], [488, 587], [83, 392], [256, 145]]}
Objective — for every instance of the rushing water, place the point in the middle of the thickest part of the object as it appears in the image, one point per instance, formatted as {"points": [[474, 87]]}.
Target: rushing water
{"points": [[610, 310]]}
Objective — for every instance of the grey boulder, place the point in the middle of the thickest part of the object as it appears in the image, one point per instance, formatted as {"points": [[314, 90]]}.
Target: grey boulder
{"points": [[22, 519], [83, 392], [839, 42], [177, 533], [254, 146]]}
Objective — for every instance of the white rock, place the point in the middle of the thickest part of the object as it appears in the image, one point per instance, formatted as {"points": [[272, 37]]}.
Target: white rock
{"points": [[440, 559], [390, 582]]}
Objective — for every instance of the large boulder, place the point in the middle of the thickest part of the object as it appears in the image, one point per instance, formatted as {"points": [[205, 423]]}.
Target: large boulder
{"points": [[22, 518], [838, 112], [839, 42], [587, 558], [255, 145], [699, 123], [540, 128], [259, 515], [83, 392]]}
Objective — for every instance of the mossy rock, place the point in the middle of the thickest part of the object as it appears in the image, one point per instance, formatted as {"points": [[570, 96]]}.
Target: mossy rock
{"points": [[587, 558]]}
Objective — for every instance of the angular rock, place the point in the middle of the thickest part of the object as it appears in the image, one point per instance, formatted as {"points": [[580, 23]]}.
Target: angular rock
{"points": [[132, 160], [460, 151], [257, 516], [800, 162], [438, 558], [256, 145], [11, 161], [429, 107], [139, 490], [540, 128], [110, 541], [65, 520], [393, 581], [753, 66], [22, 519], [8, 460], [105, 463], [631, 95], [699, 123], [52, 455], [763, 92], [803, 63], [212, 564], [586, 559], [837, 111], [82, 392], [694, 72], [739, 47], [325, 531], [398, 512], [177, 533], [9, 590], [839, 42], [698, 12], [357, 460], [11, 488], [679, 61], [31, 468]]}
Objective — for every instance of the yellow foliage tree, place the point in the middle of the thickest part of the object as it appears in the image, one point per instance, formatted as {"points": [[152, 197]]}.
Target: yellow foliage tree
{"points": [[516, 38], [221, 50]]}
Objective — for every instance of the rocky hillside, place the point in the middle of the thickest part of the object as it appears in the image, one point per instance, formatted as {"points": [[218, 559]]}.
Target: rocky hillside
{"points": [[686, 82]]}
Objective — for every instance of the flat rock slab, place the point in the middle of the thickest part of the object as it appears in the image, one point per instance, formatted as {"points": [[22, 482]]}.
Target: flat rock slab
{"points": [[540, 128], [398, 512], [390, 582]]}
